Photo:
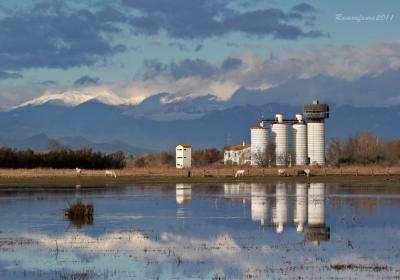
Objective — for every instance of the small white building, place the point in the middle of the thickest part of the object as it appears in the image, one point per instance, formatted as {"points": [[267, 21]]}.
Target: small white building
{"points": [[238, 154], [183, 156]]}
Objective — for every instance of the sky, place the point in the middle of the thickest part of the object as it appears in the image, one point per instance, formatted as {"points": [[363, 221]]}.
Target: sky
{"points": [[137, 48]]}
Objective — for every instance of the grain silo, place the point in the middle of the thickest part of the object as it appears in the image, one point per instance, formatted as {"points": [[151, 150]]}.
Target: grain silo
{"points": [[316, 114], [279, 133], [259, 142], [299, 141]]}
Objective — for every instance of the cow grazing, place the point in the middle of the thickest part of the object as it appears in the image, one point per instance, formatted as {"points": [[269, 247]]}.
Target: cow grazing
{"points": [[110, 173], [78, 171], [239, 173], [305, 172], [282, 172]]}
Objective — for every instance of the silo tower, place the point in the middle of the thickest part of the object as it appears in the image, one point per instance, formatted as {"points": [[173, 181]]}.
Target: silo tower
{"points": [[259, 142], [279, 132], [316, 114], [299, 140]]}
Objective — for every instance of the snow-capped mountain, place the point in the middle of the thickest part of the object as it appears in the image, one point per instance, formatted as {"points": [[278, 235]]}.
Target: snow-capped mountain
{"points": [[75, 98]]}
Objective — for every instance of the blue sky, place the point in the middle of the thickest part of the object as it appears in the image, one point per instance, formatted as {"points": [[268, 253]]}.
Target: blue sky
{"points": [[141, 47]]}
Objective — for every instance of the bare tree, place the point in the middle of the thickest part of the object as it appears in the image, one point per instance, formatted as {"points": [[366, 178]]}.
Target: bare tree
{"points": [[334, 152], [265, 158]]}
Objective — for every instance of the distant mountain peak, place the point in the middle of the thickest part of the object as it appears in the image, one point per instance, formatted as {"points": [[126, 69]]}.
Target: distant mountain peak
{"points": [[74, 98]]}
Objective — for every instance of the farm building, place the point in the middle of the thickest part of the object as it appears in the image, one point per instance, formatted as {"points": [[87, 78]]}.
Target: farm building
{"points": [[238, 154], [183, 156]]}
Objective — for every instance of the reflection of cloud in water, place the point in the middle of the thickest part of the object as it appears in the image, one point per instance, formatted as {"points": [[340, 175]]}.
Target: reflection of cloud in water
{"points": [[144, 255], [208, 241], [221, 252]]}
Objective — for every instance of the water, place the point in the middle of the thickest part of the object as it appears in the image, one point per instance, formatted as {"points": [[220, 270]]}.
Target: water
{"points": [[221, 231]]}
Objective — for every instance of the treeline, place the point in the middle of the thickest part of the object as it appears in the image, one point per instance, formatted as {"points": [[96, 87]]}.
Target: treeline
{"points": [[200, 158], [61, 158], [364, 148]]}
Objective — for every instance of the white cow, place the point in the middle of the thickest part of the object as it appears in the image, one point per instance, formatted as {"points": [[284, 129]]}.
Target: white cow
{"points": [[239, 173], [78, 171], [282, 172], [110, 173], [304, 172]]}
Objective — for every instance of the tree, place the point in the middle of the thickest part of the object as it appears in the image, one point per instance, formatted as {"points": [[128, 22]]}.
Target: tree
{"points": [[206, 156], [139, 162], [167, 158], [265, 158], [54, 145], [260, 158], [334, 152]]}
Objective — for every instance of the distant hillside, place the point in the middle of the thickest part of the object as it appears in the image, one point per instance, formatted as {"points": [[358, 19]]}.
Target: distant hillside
{"points": [[108, 127]]}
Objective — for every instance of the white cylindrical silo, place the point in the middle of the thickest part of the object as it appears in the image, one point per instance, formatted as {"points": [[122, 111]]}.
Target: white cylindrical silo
{"points": [[316, 204], [300, 211], [316, 142], [299, 141], [259, 142], [316, 114], [279, 133]]}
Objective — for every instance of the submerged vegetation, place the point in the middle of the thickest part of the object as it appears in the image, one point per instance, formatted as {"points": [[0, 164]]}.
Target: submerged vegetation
{"points": [[80, 214], [61, 158]]}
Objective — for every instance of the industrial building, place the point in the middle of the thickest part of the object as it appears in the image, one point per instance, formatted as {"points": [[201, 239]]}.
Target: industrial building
{"points": [[183, 156], [259, 143], [316, 114], [237, 154], [307, 138]]}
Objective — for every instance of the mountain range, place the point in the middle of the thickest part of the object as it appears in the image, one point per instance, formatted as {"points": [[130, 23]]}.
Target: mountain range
{"points": [[159, 122]]}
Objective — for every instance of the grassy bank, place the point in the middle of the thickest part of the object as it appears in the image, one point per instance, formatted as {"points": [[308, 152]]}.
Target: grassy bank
{"points": [[129, 176]]}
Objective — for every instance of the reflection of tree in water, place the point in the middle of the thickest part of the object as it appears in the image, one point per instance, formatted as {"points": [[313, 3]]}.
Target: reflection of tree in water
{"points": [[80, 214], [365, 205], [361, 205]]}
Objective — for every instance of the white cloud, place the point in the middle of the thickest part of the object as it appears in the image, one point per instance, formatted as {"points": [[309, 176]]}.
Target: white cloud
{"points": [[341, 62]]}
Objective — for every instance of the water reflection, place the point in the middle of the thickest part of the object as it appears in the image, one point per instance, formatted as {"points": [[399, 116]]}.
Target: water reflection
{"points": [[183, 193], [317, 230], [257, 231], [266, 199], [280, 211], [259, 203], [300, 211]]}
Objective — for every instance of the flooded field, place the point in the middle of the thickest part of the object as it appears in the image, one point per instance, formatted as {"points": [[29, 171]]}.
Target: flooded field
{"points": [[221, 231]]}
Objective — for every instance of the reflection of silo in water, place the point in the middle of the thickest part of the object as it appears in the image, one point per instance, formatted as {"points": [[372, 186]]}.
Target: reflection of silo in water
{"points": [[316, 230], [280, 213], [183, 193], [300, 211], [259, 203], [231, 190]]}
